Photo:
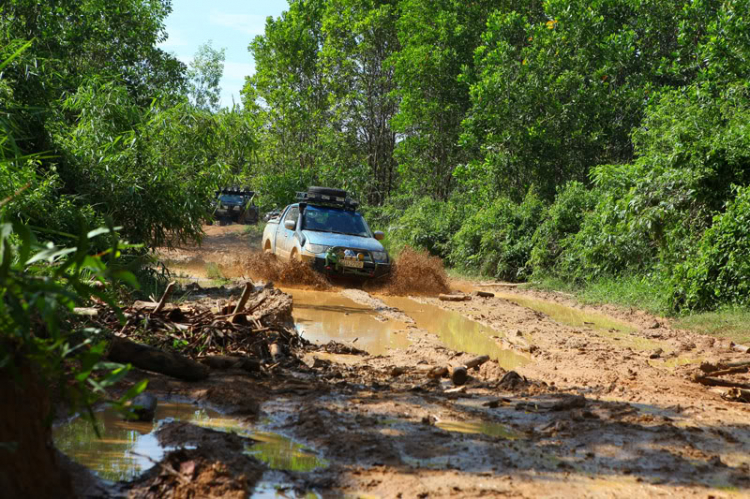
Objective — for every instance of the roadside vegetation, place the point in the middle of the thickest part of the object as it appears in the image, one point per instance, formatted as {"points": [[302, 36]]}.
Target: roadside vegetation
{"points": [[598, 147]]}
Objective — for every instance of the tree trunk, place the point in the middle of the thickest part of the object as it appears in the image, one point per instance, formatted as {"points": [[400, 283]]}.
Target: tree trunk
{"points": [[29, 465]]}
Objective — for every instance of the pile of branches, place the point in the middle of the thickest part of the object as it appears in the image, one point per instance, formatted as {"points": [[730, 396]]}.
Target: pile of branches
{"points": [[716, 375], [252, 327]]}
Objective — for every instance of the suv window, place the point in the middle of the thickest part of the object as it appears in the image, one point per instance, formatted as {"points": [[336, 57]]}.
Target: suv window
{"points": [[292, 214]]}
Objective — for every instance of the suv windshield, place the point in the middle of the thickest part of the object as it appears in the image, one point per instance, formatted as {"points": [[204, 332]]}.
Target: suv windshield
{"points": [[335, 220], [231, 199]]}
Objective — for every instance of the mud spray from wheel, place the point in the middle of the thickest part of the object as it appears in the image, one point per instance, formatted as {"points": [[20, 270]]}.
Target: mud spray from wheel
{"points": [[414, 273]]}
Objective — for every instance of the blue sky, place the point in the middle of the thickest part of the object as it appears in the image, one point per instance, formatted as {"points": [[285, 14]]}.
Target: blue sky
{"points": [[230, 24]]}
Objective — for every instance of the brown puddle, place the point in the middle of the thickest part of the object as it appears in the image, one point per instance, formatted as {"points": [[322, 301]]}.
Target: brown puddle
{"points": [[490, 429], [603, 325], [456, 331], [323, 316], [128, 448]]}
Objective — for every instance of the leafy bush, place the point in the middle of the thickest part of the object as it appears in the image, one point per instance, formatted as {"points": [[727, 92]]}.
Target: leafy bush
{"points": [[40, 285], [153, 171], [563, 218], [427, 224], [497, 240], [717, 271]]}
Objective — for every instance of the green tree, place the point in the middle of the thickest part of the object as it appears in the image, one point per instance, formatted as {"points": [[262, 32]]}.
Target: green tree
{"points": [[204, 77], [437, 42], [558, 92], [287, 97], [360, 37]]}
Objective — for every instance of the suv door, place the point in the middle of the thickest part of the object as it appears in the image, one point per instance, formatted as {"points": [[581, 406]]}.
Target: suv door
{"points": [[287, 236]]}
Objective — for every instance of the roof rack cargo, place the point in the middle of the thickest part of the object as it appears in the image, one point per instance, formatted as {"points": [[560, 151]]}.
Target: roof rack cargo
{"points": [[319, 199], [239, 191]]}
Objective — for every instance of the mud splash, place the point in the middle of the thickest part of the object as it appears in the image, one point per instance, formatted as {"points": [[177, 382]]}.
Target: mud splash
{"points": [[266, 267], [322, 317], [126, 448], [414, 273], [456, 331]]}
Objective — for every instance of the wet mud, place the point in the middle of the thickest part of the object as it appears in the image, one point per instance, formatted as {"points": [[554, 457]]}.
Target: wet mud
{"points": [[125, 449], [575, 402]]}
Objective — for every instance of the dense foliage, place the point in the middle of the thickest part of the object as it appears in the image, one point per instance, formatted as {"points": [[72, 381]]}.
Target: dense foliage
{"points": [[99, 123], [518, 139], [522, 139]]}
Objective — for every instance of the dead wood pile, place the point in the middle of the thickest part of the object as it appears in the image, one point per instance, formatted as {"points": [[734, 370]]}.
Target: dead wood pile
{"points": [[185, 340], [710, 374]]}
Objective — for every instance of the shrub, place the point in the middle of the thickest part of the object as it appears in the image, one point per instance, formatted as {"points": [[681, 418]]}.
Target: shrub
{"points": [[497, 240], [563, 219], [427, 224], [717, 271]]}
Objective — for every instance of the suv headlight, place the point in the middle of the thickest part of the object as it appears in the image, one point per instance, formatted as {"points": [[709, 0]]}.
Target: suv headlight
{"points": [[380, 256], [316, 248]]}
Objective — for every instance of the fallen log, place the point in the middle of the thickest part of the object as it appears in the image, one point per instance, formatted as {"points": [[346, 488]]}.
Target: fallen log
{"points": [[437, 372], [484, 294], [443, 297], [459, 375], [731, 370], [477, 361], [152, 359], [86, 311], [222, 362], [708, 367], [710, 381], [741, 348], [276, 351], [737, 395]]}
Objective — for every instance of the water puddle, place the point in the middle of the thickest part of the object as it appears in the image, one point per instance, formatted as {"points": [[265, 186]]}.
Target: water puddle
{"points": [[269, 490], [456, 331], [674, 363], [281, 453], [489, 429], [324, 316], [603, 325], [126, 448]]}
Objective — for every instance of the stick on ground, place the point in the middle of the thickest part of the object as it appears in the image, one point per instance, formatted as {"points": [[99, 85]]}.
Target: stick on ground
{"points": [[165, 297]]}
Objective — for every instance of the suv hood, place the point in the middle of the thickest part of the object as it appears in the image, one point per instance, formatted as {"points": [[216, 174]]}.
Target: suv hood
{"points": [[354, 242]]}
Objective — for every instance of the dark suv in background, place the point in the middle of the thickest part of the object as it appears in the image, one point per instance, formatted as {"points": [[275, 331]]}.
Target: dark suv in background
{"points": [[235, 205]]}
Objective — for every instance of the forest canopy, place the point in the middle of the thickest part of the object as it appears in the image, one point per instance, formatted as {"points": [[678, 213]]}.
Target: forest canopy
{"points": [[518, 139], [522, 139]]}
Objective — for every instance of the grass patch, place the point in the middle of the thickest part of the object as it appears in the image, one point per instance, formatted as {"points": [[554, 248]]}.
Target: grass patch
{"points": [[214, 272], [728, 323], [632, 291], [652, 296], [466, 275]]}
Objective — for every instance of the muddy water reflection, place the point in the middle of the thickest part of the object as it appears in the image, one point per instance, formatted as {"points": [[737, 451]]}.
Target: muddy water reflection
{"points": [[456, 331], [322, 316], [477, 427], [127, 448], [603, 325]]}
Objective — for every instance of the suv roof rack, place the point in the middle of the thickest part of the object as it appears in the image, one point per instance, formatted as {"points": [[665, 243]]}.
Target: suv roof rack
{"points": [[316, 199], [239, 191]]}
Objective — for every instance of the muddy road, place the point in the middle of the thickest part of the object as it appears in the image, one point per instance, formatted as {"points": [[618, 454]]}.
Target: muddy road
{"points": [[574, 402]]}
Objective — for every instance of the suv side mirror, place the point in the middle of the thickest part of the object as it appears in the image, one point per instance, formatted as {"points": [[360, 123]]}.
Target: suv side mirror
{"points": [[290, 224], [379, 235]]}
